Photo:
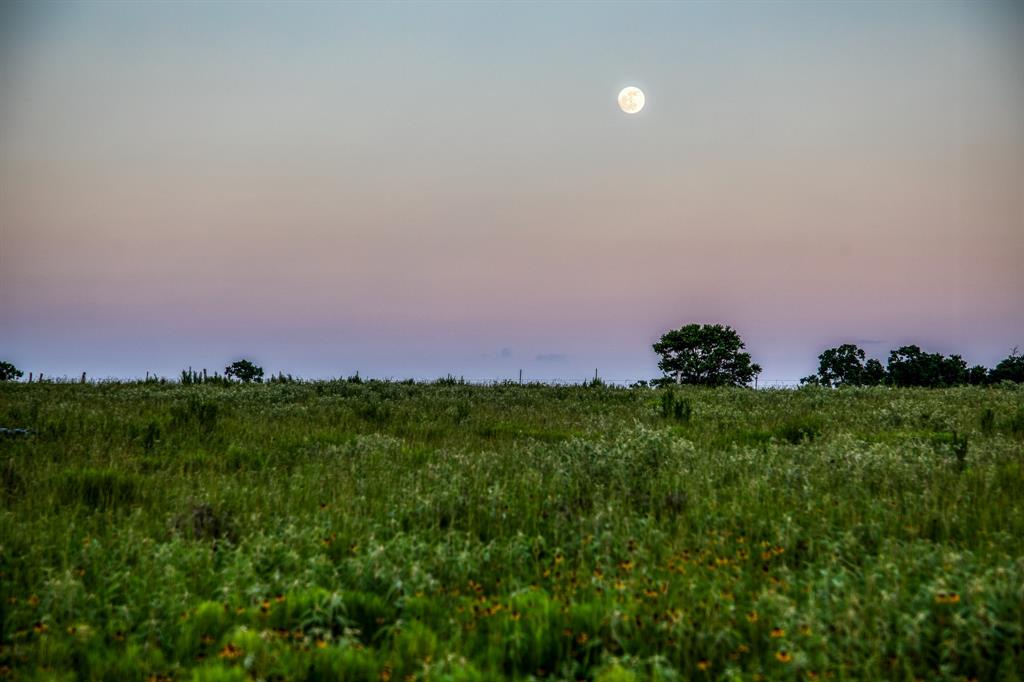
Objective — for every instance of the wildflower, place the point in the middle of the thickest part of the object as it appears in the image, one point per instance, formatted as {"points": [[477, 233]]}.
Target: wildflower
{"points": [[777, 633], [752, 617], [230, 652], [33, 600], [385, 674], [321, 644], [743, 649], [240, 610], [119, 636], [265, 606], [582, 638], [619, 585], [514, 615], [805, 630], [559, 558], [206, 639], [567, 632], [783, 656], [703, 664]]}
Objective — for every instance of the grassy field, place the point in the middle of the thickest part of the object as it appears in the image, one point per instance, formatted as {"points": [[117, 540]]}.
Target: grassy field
{"points": [[388, 531]]}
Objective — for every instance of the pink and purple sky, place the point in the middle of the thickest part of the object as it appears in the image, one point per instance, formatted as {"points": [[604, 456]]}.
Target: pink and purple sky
{"points": [[410, 190]]}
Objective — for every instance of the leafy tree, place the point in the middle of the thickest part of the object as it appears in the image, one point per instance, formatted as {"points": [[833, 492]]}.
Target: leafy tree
{"points": [[910, 366], [705, 355], [874, 373], [845, 366], [841, 366], [977, 375], [244, 371], [9, 372], [1009, 369], [952, 371]]}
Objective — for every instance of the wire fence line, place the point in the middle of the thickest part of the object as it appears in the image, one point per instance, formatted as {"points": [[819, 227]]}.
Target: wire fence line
{"points": [[449, 378]]}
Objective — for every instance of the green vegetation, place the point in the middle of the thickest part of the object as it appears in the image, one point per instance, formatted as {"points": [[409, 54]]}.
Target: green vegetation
{"points": [[357, 530], [909, 366]]}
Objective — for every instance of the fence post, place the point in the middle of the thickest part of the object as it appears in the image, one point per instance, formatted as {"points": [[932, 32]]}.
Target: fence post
{"points": [[83, 378], [30, 377], [520, 377]]}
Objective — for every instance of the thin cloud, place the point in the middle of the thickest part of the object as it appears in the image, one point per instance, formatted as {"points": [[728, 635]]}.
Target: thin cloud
{"points": [[552, 357]]}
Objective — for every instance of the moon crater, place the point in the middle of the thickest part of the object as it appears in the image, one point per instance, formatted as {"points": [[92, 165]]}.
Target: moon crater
{"points": [[631, 99]]}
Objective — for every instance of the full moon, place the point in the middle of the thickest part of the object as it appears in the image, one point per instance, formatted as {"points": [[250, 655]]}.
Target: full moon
{"points": [[631, 99]]}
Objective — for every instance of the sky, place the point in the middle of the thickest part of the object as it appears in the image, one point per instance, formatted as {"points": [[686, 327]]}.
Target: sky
{"points": [[418, 189]]}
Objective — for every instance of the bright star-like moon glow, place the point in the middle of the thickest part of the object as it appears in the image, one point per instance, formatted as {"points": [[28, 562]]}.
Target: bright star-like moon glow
{"points": [[631, 99]]}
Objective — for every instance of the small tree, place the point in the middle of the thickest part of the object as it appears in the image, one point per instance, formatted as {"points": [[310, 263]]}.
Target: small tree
{"points": [[874, 373], [910, 366], [1009, 369], [841, 366], [9, 372], [953, 371], [705, 355], [244, 371], [977, 375], [845, 366]]}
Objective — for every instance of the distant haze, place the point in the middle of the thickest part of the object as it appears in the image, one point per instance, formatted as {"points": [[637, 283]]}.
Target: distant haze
{"points": [[418, 189]]}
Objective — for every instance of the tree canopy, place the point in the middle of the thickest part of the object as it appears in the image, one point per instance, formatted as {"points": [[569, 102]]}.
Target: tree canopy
{"points": [[705, 355], [244, 371], [9, 372]]}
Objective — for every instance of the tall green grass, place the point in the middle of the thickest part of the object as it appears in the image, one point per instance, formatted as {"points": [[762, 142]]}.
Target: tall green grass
{"points": [[381, 531]]}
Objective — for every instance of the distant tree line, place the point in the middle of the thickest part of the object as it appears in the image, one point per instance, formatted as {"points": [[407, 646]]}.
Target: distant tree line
{"points": [[713, 355], [845, 365]]}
